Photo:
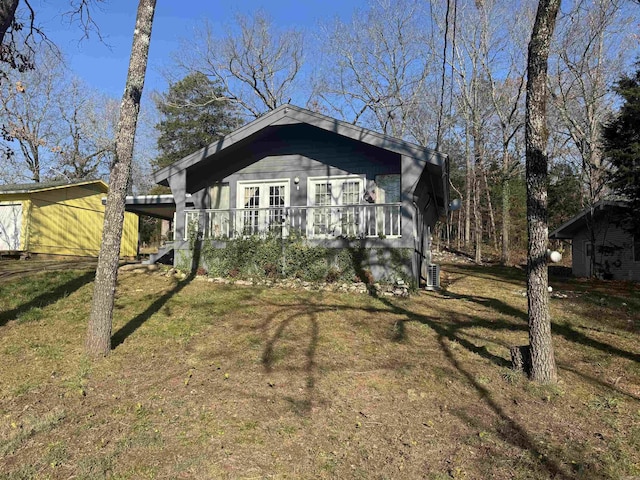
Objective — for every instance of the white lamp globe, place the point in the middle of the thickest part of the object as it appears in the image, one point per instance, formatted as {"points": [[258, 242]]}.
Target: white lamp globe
{"points": [[555, 257]]}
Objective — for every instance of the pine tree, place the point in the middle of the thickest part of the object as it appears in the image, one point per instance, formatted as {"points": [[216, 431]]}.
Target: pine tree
{"points": [[195, 114], [622, 149]]}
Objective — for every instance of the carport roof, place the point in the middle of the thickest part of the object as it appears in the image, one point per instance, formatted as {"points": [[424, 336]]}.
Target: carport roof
{"points": [[159, 206]]}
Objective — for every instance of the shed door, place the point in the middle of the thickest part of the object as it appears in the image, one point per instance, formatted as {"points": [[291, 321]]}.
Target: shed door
{"points": [[588, 253], [10, 225]]}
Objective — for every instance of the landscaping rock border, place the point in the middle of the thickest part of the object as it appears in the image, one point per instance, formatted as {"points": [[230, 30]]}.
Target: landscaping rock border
{"points": [[397, 289]]}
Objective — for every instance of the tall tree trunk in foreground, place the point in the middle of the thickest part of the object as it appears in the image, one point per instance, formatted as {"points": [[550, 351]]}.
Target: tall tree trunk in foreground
{"points": [[506, 207], [543, 366], [7, 14], [98, 340]]}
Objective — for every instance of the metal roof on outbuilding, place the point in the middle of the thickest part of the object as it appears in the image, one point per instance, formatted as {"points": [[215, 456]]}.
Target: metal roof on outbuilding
{"points": [[569, 228], [13, 188]]}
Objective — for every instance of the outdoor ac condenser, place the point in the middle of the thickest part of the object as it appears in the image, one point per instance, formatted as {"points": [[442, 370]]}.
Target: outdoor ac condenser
{"points": [[433, 277]]}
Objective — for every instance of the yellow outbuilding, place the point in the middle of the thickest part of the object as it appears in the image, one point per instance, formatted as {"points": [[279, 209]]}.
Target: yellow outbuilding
{"points": [[59, 218]]}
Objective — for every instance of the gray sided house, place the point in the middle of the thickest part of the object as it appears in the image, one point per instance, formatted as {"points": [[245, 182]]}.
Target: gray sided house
{"points": [[600, 246], [297, 172]]}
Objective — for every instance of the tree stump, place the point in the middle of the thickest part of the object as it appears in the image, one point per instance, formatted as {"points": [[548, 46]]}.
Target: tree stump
{"points": [[521, 359]]}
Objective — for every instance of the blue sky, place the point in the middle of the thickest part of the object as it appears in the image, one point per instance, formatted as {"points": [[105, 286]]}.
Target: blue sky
{"points": [[105, 68]]}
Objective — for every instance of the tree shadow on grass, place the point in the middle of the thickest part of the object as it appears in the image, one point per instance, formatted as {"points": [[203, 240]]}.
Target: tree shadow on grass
{"points": [[449, 332], [513, 432], [563, 329], [48, 297], [302, 407], [132, 325], [510, 275]]}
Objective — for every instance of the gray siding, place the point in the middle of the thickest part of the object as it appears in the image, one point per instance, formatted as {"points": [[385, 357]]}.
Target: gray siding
{"points": [[288, 167], [303, 151], [613, 253], [300, 151], [288, 150]]}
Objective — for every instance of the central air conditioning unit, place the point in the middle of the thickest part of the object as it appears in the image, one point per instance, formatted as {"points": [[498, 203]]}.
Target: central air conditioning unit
{"points": [[433, 277]]}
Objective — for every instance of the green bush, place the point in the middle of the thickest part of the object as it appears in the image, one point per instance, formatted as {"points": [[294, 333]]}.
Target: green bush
{"points": [[273, 257]]}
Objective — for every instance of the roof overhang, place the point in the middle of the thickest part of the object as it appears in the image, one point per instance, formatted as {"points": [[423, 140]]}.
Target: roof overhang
{"points": [[291, 115], [568, 230], [158, 206]]}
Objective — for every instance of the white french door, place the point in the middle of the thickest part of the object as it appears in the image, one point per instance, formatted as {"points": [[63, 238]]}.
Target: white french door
{"points": [[262, 206]]}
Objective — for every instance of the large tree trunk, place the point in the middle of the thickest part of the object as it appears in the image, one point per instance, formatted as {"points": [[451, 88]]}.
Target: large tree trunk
{"points": [[506, 206], [477, 219], [7, 14], [477, 190], [98, 340], [543, 366], [492, 217], [468, 186]]}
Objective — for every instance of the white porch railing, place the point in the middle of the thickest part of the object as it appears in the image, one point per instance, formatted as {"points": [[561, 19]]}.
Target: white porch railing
{"points": [[363, 221]]}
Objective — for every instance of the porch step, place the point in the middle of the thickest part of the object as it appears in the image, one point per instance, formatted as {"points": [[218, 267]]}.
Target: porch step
{"points": [[164, 255]]}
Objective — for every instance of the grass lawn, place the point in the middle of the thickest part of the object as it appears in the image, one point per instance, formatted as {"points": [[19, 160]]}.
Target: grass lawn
{"points": [[223, 381]]}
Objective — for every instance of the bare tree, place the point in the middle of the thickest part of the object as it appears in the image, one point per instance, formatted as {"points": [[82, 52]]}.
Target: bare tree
{"points": [[476, 109], [375, 67], [543, 365], [86, 133], [57, 127], [505, 75], [594, 42], [257, 67], [98, 341], [29, 115], [20, 35]]}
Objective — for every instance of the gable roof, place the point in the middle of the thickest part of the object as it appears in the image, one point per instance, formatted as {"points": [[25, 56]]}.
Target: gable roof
{"points": [[569, 228], [290, 115], [14, 188]]}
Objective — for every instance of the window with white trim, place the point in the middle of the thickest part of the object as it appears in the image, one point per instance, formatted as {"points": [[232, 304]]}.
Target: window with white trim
{"points": [[334, 201]]}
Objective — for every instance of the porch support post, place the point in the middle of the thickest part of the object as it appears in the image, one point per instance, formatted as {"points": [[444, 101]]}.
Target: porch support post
{"points": [[178, 184], [200, 202], [411, 170]]}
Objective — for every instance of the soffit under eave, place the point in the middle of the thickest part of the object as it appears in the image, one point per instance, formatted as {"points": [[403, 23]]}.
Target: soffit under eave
{"points": [[433, 177]]}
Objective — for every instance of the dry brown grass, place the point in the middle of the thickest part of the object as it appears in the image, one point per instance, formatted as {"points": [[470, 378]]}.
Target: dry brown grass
{"points": [[211, 381]]}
